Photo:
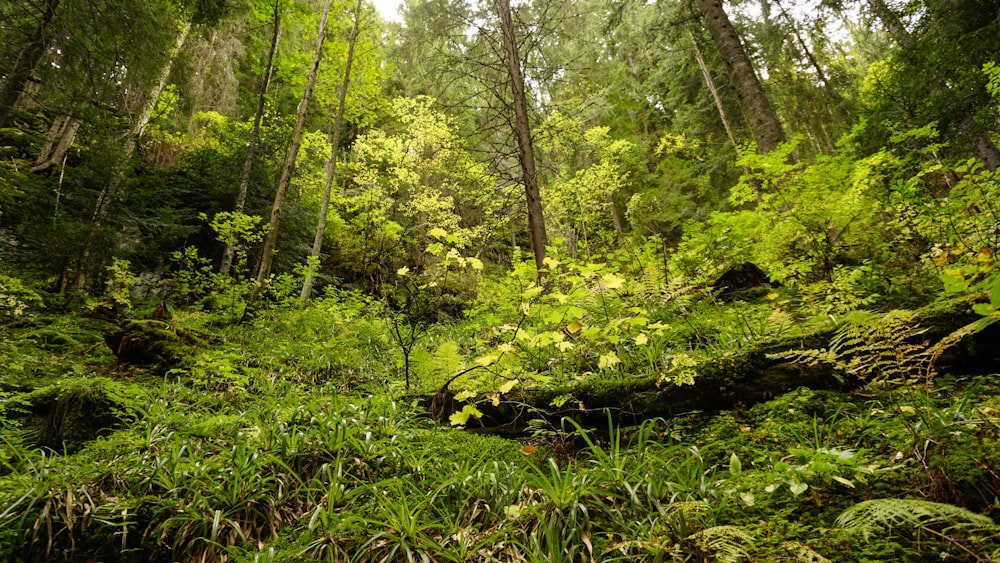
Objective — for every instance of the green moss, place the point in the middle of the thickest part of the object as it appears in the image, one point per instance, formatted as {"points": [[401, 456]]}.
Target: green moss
{"points": [[65, 416]]}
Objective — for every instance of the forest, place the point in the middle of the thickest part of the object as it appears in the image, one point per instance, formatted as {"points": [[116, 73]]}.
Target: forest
{"points": [[529, 281]]}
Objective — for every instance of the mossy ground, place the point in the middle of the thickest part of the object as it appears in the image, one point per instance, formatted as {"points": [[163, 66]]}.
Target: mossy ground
{"points": [[280, 451]]}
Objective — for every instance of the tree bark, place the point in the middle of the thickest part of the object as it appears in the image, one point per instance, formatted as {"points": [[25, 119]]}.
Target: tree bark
{"points": [[62, 133], [987, 151], [715, 92], [241, 194], [331, 164], [764, 124], [526, 154], [270, 241], [892, 23], [13, 85]]}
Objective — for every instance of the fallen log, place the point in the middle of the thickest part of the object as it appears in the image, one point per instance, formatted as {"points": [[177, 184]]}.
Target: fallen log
{"points": [[755, 373]]}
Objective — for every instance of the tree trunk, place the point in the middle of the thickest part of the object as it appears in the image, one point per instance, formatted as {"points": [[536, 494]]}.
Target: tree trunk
{"points": [[987, 151], [536, 222], [62, 133], [270, 241], [892, 23], [110, 190], [241, 195], [331, 164], [27, 60], [715, 92], [756, 107]]}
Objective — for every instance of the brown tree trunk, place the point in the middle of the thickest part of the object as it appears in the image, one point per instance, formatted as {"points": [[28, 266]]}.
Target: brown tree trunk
{"points": [[331, 164], [526, 153], [270, 241], [13, 85], [756, 107], [241, 194]]}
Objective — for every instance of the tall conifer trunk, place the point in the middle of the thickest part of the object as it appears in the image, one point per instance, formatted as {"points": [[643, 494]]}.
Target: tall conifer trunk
{"points": [[764, 124], [526, 154]]}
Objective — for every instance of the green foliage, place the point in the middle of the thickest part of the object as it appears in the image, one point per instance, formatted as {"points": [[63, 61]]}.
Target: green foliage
{"points": [[16, 298], [943, 520]]}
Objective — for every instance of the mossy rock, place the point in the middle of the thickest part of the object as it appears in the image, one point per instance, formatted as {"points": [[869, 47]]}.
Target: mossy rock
{"points": [[65, 416]]}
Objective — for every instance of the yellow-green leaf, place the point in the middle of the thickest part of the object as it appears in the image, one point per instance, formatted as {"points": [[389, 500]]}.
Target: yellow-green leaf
{"points": [[608, 361], [506, 387], [465, 395]]}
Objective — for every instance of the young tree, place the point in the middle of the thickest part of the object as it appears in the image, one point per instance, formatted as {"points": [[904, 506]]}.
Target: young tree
{"points": [[270, 241], [526, 155], [331, 165], [241, 194]]}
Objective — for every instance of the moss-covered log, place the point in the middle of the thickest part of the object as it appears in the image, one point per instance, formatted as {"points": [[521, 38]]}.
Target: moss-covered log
{"points": [[745, 376]]}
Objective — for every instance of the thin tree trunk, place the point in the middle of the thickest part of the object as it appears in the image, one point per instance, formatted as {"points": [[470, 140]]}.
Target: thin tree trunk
{"points": [[13, 85], [241, 194], [270, 241], [536, 222], [757, 108], [715, 92], [60, 139], [110, 190], [331, 164]]}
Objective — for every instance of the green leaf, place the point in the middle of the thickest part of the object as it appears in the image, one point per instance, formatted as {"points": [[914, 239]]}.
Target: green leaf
{"points": [[797, 488], [735, 467], [462, 417], [438, 233], [843, 481], [465, 395]]}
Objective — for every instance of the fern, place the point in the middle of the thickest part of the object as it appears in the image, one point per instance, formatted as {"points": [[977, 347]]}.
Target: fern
{"points": [[942, 520], [724, 543], [872, 348], [804, 553]]}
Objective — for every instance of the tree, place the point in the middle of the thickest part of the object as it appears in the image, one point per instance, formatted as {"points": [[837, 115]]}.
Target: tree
{"points": [[936, 73], [15, 79], [336, 129], [526, 155], [241, 194], [757, 108], [270, 241]]}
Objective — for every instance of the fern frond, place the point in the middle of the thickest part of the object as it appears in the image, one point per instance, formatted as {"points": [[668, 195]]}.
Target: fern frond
{"points": [[804, 553], [879, 514], [724, 543], [822, 356]]}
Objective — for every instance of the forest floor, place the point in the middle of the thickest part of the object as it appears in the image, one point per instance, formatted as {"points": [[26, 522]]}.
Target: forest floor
{"points": [[285, 439]]}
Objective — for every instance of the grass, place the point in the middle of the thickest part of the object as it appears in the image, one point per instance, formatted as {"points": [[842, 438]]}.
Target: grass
{"points": [[288, 440]]}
